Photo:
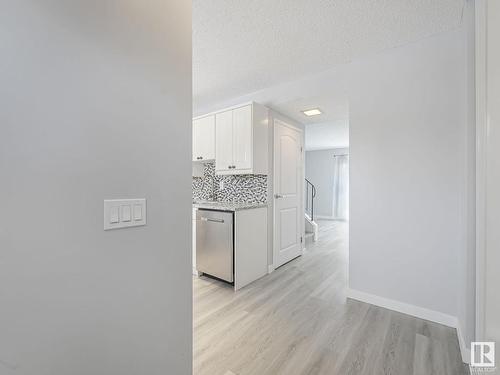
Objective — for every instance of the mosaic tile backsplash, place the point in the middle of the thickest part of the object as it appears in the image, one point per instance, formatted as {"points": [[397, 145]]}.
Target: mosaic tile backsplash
{"points": [[237, 188]]}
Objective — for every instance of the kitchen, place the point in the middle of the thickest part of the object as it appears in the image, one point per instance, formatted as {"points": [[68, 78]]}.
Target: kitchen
{"points": [[233, 212]]}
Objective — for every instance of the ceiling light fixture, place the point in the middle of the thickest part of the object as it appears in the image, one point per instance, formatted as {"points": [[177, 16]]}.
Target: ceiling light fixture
{"points": [[312, 112]]}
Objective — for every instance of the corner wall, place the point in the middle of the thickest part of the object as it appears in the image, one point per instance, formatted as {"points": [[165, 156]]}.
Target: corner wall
{"points": [[95, 104], [407, 130]]}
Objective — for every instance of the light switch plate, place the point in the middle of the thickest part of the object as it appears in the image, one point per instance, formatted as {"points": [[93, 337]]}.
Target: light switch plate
{"points": [[124, 213]]}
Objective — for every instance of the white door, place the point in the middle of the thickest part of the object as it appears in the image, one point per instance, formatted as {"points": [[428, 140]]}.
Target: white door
{"points": [[242, 138], [224, 141], [288, 181], [204, 138]]}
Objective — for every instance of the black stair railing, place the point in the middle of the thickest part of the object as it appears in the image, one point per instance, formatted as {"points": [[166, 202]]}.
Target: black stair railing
{"points": [[310, 195]]}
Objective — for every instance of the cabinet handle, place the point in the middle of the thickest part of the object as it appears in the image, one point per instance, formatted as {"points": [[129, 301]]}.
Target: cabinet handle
{"points": [[234, 166]]}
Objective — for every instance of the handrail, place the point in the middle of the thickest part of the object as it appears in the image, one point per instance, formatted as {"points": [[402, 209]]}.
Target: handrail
{"points": [[313, 195]]}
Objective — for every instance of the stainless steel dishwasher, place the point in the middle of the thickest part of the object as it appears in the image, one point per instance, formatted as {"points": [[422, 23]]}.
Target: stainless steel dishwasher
{"points": [[214, 244]]}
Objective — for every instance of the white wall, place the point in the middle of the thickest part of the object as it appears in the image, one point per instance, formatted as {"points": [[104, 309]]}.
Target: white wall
{"points": [[320, 168], [407, 126], [95, 103]]}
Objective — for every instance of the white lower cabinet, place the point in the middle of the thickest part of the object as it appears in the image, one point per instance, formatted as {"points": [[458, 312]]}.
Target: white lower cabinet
{"points": [[250, 246]]}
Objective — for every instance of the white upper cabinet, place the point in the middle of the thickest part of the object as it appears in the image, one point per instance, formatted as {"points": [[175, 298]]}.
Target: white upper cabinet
{"points": [[224, 141], [241, 140], [242, 137], [204, 138], [236, 138]]}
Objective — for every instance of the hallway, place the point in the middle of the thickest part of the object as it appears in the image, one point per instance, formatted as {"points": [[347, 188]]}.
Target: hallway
{"points": [[297, 321]]}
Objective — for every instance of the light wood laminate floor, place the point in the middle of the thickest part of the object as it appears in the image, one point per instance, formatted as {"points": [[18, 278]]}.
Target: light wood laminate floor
{"points": [[297, 320]]}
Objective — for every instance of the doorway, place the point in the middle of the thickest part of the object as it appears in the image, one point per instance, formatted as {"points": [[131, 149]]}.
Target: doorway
{"points": [[327, 180]]}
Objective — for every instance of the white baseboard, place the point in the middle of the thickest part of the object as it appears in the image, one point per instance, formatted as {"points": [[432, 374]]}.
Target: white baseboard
{"points": [[463, 347], [270, 268], [416, 311]]}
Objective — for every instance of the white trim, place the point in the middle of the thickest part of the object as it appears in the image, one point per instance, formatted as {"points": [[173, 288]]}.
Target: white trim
{"points": [[405, 308], [416, 311], [270, 268], [464, 352], [481, 150]]}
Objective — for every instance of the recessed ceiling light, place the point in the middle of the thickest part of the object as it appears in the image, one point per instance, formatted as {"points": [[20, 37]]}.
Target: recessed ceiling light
{"points": [[312, 112]]}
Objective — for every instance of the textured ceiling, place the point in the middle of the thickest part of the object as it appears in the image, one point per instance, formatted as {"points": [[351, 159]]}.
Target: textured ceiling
{"points": [[240, 46]]}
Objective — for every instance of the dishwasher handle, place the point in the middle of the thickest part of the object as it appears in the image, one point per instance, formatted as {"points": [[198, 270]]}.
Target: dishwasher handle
{"points": [[212, 219]]}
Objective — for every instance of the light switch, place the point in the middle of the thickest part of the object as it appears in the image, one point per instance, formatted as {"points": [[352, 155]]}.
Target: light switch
{"points": [[126, 213], [137, 212], [114, 215], [123, 213]]}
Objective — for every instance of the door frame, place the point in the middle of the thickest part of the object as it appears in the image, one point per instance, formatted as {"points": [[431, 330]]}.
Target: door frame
{"points": [[301, 192], [487, 202], [481, 156]]}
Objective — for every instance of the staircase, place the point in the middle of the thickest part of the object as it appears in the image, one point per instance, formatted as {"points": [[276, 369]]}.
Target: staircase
{"points": [[310, 225]]}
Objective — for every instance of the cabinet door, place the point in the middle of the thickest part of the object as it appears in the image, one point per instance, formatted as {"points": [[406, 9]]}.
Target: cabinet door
{"points": [[204, 138], [242, 138], [224, 141]]}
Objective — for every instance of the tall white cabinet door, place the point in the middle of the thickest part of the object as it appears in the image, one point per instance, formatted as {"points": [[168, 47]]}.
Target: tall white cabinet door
{"points": [[242, 137], [224, 141], [204, 138]]}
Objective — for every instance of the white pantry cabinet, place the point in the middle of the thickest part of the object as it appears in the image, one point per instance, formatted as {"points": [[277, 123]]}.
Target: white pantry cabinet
{"points": [[241, 140], [204, 138]]}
